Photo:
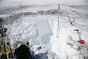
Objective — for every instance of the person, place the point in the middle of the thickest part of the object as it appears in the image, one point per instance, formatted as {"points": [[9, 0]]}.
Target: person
{"points": [[22, 52], [27, 44], [32, 52], [3, 54], [9, 53]]}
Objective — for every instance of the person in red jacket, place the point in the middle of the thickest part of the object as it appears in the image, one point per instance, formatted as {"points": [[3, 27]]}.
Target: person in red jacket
{"points": [[82, 41]]}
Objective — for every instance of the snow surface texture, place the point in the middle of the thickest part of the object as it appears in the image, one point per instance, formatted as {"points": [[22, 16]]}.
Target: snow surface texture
{"points": [[41, 31], [31, 29]]}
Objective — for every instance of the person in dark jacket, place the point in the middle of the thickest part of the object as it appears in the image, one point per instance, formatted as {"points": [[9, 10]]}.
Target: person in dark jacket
{"points": [[22, 52]]}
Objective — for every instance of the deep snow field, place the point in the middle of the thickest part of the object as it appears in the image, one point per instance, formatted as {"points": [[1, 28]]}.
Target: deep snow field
{"points": [[41, 30]]}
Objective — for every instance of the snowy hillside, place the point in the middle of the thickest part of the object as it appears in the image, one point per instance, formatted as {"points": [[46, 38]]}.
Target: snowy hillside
{"points": [[40, 29]]}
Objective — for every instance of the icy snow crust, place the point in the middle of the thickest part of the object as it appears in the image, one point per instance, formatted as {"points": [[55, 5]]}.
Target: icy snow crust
{"points": [[41, 30]]}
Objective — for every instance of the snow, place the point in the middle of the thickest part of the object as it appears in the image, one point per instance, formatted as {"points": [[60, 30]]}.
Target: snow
{"points": [[66, 30], [47, 2], [35, 30], [41, 30]]}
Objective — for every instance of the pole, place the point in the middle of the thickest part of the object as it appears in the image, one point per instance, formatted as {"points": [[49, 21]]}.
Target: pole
{"points": [[58, 22], [79, 39], [78, 34], [69, 18]]}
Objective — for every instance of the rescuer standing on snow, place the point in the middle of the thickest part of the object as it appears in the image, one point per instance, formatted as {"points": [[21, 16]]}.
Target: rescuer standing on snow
{"points": [[9, 53], [3, 52]]}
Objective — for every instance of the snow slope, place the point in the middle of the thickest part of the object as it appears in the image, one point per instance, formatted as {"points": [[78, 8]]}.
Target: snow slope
{"points": [[41, 30], [68, 35]]}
